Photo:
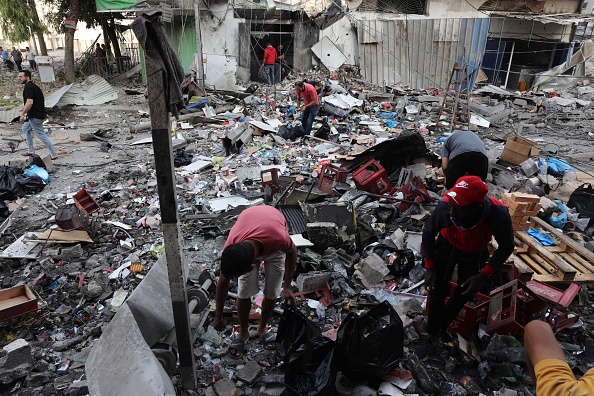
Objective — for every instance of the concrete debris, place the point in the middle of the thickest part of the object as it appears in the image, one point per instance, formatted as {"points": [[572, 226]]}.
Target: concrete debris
{"points": [[104, 303]]}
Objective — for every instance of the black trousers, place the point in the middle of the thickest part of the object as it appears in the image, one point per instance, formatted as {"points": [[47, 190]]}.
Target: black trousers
{"points": [[441, 314], [472, 163]]}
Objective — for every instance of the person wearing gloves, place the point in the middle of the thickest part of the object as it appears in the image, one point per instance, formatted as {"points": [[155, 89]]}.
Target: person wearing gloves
{"points": [[458, 233]]}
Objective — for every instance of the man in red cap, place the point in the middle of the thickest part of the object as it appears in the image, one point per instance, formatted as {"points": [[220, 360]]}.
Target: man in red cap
{"points": [[463, 222]]}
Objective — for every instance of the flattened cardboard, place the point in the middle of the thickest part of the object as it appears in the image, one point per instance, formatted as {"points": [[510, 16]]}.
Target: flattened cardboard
{"points": [[71, 236]]}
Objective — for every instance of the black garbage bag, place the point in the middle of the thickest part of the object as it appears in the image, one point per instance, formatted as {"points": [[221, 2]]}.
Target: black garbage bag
{"points": [[182, 158], [323, 132], [31, 184], [309, 358], [312, 372], [288, 132], [4, 213], [369, 345], [10, 189], [582, 199], [36, 160]]}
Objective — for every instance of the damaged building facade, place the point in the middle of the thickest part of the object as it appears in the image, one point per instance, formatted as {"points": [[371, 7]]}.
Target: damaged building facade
{"points": [[414, 44]]}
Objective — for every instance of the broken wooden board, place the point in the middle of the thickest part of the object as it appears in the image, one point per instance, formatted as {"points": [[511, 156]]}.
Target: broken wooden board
{"points": [[566, 262], [69, 236], [21, 249]]}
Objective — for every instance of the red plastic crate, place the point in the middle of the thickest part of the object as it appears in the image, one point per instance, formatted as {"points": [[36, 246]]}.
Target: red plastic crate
{"points": [[512, 306], [372, 177], [85, 202], [328, 175], [471, 315]]}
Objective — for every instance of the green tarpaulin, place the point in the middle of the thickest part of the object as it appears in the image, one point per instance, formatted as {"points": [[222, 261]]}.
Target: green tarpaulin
{"points": [[115, 5]]}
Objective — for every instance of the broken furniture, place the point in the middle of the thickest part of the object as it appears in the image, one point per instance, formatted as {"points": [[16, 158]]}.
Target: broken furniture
{"points": [[566, 262], [16, 301], [85, 202]]}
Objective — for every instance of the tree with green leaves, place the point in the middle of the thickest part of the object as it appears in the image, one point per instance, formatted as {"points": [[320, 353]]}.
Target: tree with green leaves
{"points": [[19, 20]]}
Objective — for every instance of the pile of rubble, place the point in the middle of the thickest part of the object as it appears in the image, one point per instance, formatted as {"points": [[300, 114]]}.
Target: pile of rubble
{"points": [[356, 196]]}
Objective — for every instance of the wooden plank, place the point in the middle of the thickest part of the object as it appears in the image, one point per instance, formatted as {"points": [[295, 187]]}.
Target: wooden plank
{"points": [[576, 264], [536, 266], [583, 261], [520, 265], [547, 278], [555, 249], [565, 239], [567, 271]]}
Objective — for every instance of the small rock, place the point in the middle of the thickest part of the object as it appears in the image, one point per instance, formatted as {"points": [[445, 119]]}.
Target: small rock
{"points": [[38, 379], [249, 372], [225, 387]]}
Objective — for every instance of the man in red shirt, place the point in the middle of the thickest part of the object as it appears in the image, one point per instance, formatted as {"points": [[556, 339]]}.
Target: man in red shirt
{"points": [[270, 56], [311, 104], [259, 235]]}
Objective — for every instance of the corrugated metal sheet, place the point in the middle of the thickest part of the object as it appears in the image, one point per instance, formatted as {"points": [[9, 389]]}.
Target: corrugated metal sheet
{"points": [[420, 53], [91, 92]]}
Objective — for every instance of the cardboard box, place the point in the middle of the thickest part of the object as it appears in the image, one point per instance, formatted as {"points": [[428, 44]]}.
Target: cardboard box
{"points": [[518, 149]]}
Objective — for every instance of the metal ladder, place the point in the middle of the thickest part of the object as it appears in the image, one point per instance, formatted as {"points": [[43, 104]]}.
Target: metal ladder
{"points": [[456, 106]]}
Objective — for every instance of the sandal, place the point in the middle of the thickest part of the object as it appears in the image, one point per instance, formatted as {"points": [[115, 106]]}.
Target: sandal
{"points": [[55, 156], [268, 340], [236, 348], [27, 154]]}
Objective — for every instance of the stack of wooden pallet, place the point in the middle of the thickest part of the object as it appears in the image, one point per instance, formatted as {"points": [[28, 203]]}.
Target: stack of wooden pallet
{"points": [[521, 206]]}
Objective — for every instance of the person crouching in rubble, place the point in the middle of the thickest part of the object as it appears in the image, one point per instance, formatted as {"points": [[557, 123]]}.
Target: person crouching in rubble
{"points": [[311, 104], [259, 235], [464, 153], [547, 364], [464, 222]]}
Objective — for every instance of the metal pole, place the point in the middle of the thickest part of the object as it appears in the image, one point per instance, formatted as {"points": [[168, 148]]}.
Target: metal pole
{"points": [[511, 56], [171, 233], [200, 62]]}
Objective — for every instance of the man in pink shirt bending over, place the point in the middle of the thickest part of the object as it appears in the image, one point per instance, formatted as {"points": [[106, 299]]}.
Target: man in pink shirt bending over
{"points": [[259, 235], [311, 105]]}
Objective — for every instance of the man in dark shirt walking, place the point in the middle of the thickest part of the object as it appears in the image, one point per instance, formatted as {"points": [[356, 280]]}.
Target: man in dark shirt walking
{"points": [[17, 57], [33, 114]]}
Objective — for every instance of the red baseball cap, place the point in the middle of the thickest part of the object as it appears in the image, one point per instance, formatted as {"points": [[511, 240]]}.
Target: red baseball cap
{"points": [[468, 190]]}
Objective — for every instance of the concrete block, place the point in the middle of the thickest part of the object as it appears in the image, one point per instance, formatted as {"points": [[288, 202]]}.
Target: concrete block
{"points": [[525, 116], [325, 235], [371, 270], [16, 362], [501, 116], [520, 102], [225, 387], [486, 111], [249, 372], [312, 280], [17, 163], [506, 180], [49, 163]]}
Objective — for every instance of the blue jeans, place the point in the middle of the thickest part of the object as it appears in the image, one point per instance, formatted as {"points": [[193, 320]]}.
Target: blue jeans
{"points": [[307, 118], [36, 125], [269, 73]]}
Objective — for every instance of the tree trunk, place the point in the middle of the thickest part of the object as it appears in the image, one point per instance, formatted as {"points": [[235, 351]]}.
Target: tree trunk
{"points": [[115, 44], [40, 38], [42, 46], [69, 43]]}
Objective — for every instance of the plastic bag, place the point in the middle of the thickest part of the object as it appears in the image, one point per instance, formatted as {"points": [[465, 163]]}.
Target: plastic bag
{"points": [[369, 345], [35, 170], [323, 132], [10, 189], [32, 184], [541, 237], [560, 220], [309, 357], [182, 158], [36, 160], [291, 132], [582, 199], [557, 167]]}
